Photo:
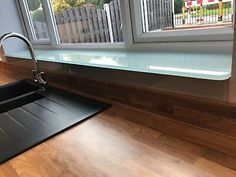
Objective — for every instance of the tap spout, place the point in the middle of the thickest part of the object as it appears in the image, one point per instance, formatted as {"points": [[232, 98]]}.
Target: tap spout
{"points": [[38, 75]]}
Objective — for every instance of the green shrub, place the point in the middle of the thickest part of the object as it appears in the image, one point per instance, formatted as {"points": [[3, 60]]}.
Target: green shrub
{"points": [[227, 4], [178, 6], [212, 6], [98, 3], [33, 4], [38, 16]]}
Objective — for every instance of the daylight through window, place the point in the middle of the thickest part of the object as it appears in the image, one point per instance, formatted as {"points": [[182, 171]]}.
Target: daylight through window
{"points": [[88, 21], [121, 22], [38, 20], [161, 15]]}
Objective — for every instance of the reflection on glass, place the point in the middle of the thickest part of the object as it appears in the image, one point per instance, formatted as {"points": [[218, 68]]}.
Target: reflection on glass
{"points": [[38, 19], [187, 70], [96, 59]]}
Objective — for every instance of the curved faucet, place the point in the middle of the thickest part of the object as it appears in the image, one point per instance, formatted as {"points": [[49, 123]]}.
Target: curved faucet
{"points": [[37, 73]]}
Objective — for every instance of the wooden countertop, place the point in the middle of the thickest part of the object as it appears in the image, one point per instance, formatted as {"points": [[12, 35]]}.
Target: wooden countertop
{"points": [[109, 144]]}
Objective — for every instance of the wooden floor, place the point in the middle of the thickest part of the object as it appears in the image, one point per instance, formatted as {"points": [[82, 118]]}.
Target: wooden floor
{"points": [[110, 145]]}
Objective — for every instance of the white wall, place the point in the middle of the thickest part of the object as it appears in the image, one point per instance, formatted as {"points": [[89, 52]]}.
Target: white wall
{"points": [[10, 22]]}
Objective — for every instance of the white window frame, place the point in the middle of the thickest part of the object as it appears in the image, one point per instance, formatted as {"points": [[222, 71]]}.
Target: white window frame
{"points": [[204, 34], [53, 33], [24, 9], [132, 31]]}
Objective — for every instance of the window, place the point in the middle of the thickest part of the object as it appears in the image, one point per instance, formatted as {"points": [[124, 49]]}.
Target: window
{"points": [[116, 23], [74, 22], [35, 17], [182, 20], [179, 14], [91, 21]]}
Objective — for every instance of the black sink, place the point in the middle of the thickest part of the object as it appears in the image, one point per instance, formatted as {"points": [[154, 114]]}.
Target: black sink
{"points": [[17, 94], [29, 116]]}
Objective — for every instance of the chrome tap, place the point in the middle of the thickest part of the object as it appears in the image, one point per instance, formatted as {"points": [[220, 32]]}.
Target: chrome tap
{"points": [[38, 75]]}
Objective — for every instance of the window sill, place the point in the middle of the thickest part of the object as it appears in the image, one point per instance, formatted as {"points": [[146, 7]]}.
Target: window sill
{"points": [[191, 65]]}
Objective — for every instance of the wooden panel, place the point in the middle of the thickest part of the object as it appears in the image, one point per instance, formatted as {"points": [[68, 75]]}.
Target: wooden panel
{"points": [[73, 25], [213, 124], [118, 20], [221, 124], [105, 24], [115, 124], [100, 25], [79, 24], [182, 130], [95, 23], [87, 23], [41, 30], [113, 21], [110, 145], [90, 22], [66, 21]]}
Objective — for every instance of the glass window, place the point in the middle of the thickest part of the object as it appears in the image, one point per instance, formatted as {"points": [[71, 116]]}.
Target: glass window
{"points": [[166, 15], [93, 22], [37, 18], [88, 21]]}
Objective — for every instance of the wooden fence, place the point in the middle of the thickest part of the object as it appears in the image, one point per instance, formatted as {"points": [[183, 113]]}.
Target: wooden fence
{"points": [[157, 14], [41, 30], [86, 24]]}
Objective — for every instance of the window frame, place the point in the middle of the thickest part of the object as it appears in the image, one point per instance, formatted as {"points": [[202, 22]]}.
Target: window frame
{"points": [[189, 35], [28, 24], [132, 31], [53, 32]]}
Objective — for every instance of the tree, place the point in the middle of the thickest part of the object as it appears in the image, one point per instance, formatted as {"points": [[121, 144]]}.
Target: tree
{"points": [[98, 3], [178, 6], [33, 4], [38, 16], [74, 3], [60, 5]]}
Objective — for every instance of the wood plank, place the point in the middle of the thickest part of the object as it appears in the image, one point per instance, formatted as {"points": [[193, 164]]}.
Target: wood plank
{"points": [[151, 15], [95, 23], [79, 24], [105, 25], [206, 120], [61, 28], [72, 22], [41, 30], [90, 22], [66, 21], [85, 25], [109, 144], [113, 21], [206, 117], [118, 20], [214, 168], [8, 171], [184, 131], [100, 25], [155, 13], [148, 15]]}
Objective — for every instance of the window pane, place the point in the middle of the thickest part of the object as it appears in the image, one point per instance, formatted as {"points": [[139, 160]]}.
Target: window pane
{"points": [[38, 19], [88, 21], [185, 14]]}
